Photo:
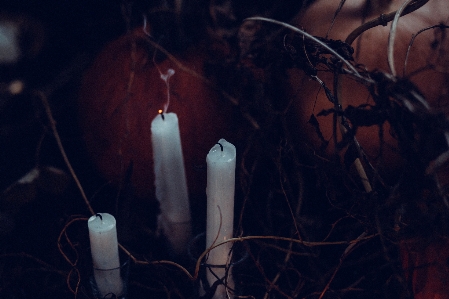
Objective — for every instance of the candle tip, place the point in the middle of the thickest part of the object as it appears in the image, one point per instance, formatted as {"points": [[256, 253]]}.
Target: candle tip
{"points": [[161, 113], [99, 215], [221, 146]]}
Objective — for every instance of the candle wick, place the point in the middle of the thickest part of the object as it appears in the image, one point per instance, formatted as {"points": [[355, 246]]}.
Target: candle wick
{"points": [[162, 114], [221, 146], [99, 215]]}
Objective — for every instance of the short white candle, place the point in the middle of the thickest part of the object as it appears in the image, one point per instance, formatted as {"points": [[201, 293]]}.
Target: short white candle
{"points": [[170, 181], [220, 208], [104, 249]]}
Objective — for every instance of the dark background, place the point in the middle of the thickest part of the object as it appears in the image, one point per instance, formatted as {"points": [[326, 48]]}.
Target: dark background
{"points": [[34, 213]]}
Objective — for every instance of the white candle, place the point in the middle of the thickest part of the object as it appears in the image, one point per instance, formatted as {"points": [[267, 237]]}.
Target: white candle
{"points": [[220, 207], [104, 249], [170, 181]]}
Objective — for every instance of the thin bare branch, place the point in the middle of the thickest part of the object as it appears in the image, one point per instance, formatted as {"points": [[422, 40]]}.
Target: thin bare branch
{"points": [[342, 258], [52, 121], [412, 40], [383, 20], [392, 36]]}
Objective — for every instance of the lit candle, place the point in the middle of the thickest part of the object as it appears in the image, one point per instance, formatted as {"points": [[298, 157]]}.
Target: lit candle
{"points": [[104, 249], [170, 181], [220, 208]]}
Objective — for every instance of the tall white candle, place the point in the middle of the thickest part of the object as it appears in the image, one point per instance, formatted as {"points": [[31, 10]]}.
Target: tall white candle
{"points": [[220, 208], [104, 249], [170, 181]]}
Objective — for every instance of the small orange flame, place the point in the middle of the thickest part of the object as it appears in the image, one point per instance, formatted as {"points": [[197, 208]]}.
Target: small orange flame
{"points": [[159, 111]]}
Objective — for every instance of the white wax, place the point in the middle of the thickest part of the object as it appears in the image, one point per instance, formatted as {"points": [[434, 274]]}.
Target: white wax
{"points": [[104, 249], [220, 205], [170, 181]]}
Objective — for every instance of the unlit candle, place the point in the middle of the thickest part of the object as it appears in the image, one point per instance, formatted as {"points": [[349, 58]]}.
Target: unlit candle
{"points": [[220, 208], [105, 257]]}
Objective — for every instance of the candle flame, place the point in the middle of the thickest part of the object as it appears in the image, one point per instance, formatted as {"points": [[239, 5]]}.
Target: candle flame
{"points": [[161, 112]]}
